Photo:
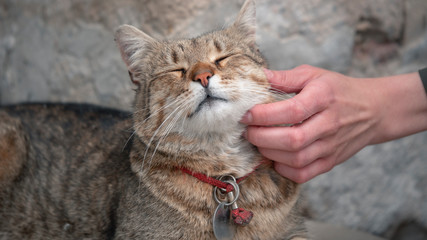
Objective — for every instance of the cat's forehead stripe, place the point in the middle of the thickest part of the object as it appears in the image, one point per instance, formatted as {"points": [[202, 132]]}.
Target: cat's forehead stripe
{"points": [[175, 56], [205, 48], [217, 45], [181, 46], [194, 42]]}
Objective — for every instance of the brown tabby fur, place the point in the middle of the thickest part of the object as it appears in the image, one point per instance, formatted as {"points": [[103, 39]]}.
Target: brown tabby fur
{"points": [[79, 171]]}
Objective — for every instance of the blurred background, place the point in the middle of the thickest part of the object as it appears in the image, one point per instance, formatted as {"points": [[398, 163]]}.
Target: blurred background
{"points": [[64, 51]]}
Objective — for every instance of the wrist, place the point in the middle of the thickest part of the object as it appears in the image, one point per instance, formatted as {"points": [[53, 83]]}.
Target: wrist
{"points": [[401, 104]]}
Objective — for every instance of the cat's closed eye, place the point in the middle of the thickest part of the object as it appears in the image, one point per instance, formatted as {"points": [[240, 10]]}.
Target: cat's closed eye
{"points": [[220, 61], [179, 71]]}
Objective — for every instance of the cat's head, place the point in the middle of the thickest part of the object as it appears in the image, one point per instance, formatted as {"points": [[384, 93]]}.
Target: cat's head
{"points": [[195, 87]]}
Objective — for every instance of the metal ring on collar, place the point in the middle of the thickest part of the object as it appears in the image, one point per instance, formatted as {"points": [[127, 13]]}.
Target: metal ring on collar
{"points": [[236, 191]]}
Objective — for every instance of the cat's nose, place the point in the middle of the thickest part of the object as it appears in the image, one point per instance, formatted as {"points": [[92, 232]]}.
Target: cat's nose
{"points": [[203, 77]]}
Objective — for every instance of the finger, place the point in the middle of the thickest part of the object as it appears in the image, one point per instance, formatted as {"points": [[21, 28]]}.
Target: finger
{"points": [[311, 100], [299, 159], [302, 175], [292, 81], [293, 138]]}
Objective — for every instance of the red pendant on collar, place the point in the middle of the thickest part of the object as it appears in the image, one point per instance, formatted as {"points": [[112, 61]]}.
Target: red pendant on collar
{"points": [[241, 216]]}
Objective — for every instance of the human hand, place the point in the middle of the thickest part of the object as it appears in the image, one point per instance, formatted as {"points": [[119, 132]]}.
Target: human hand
{"points": [[333, 117]]}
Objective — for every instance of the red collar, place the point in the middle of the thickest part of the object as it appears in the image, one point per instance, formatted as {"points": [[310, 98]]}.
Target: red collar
{"points": [[218, 183]]}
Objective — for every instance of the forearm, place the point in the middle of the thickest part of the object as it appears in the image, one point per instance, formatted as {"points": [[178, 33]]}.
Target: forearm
{"points": [[401, 105]]}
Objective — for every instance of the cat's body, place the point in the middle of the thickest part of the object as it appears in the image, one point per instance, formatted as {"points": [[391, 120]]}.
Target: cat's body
{"points": [[68, 186], [82, 172]]}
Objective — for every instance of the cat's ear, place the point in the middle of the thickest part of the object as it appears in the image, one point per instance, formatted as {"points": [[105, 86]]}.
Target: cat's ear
{"points": [[133, 43], [246, 20]]}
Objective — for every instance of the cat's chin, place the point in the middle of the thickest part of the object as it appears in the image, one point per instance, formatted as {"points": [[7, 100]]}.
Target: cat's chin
{"points": [[216, 116], [208, 104]]}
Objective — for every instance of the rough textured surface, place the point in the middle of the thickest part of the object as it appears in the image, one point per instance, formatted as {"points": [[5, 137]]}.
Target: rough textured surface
{"points": [[64, 51]]}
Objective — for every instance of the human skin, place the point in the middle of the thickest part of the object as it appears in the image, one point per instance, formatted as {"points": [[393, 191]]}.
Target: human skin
{"points": [[333, 116]]}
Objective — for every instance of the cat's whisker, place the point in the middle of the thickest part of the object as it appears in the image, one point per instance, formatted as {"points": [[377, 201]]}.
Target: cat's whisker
{"points": [[183, 120], [257, 91], [276, 90], [157, 111], [127, 141], [285, 86], [169, 127], [173, 103], [167, 130], [160, 127], [280, 95], [145, 120]]}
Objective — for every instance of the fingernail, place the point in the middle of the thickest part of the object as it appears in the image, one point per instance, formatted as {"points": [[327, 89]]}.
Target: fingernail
{"points": [[247, 118], [268, 73]]}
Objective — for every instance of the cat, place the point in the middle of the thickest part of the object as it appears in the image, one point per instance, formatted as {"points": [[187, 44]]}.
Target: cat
{"points": [[76, 171]]}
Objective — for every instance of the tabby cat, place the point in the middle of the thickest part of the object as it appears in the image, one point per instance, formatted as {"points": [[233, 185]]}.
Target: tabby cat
{"points": [[84, 172]]}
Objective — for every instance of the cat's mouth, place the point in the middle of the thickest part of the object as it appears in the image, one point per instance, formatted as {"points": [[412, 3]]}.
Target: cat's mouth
{"points": [[209, 101]]}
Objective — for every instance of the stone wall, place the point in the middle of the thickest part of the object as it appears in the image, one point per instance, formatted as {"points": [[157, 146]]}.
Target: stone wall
{"points": [[63, 51]]}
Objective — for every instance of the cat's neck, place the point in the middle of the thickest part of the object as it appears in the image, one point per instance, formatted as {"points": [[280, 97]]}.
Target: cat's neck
{"points": [[213, 153]]}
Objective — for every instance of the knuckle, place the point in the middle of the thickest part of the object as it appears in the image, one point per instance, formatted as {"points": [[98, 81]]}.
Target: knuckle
{"points": [[283, 76], [327, 150], [301, 176], [330, 130], [304, 67], [298, 111], [311, 70], [299, 160], [329, 165], [331, 98], [336, 124], [325, 97], [297, 140]]}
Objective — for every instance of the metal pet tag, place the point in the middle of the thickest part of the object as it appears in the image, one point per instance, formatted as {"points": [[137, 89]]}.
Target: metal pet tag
{"points": [[223, 228]]}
